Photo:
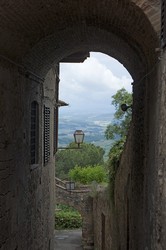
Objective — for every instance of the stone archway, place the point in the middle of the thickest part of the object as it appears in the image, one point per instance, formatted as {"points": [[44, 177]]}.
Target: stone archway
{"points": [[45, 33], [34, 36]]}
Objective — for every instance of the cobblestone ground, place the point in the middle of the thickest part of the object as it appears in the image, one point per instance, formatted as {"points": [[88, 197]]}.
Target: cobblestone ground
{"points": [[68, 239]]}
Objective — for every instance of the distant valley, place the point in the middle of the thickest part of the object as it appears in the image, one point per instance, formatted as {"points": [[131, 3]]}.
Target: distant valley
{"points": [[93, 125]]}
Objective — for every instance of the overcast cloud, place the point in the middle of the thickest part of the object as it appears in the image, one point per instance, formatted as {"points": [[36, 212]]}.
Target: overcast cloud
{"points": [[88, 86]]}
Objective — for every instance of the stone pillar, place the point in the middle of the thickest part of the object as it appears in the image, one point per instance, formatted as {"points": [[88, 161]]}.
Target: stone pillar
{"points": [[135, 205], [159, 228], [12, 159], [87, 226]]}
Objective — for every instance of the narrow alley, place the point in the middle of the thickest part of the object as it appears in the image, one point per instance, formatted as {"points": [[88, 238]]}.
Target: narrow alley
{"points": [[68, 239], [36, 37]]}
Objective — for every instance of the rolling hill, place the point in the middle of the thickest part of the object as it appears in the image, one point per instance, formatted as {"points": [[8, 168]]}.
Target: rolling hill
{"points": [[93, 126]]}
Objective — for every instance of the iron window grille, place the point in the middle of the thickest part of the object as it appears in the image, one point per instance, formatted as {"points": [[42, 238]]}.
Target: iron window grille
{"points": [[163, 24], [34, 132], [55, 130], [46, 134]]}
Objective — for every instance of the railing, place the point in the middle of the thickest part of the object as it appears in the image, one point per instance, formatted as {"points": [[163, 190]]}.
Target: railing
{"points": [[62, 185]]}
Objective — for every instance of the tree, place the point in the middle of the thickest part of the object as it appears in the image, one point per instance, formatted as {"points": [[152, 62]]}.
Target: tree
{"points": [[88, 155], [119, 128], [118, 131]]}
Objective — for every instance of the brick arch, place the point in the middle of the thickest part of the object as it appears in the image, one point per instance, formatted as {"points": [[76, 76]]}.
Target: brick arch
{"points": [[96, 40], [34, 24], [125, 33], [151, 8]]}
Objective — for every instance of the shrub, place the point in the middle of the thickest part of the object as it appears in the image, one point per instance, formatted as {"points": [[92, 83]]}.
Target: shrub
{"points": [[87, 175], [67, 218]]}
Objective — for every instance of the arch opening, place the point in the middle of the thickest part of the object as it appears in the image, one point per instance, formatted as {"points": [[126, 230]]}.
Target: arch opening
{"points": [[35, 36], [124, 31], [136, 58], [88, 89]]}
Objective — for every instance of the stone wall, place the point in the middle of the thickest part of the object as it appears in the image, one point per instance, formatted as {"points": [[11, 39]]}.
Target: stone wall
{"points": [[83, 202], [158, 228], [103, 221], [26, 191], [110, 213], [137, 219]]}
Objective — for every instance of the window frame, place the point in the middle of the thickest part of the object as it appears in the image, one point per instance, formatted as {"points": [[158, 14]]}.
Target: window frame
{"points": [[163, 24], [34, 133], [46, 134]]}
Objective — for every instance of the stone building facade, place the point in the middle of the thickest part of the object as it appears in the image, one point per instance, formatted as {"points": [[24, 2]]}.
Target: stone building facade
{"points": [[27, 186]]}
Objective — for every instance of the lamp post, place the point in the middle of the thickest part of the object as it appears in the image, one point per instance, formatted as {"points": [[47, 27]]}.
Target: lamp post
{"points": [[79, 137], [124, 107], [70, 185]]}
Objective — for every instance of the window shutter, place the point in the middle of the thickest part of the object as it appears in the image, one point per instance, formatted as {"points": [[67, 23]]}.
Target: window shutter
{"points": [[46, 134], [163, 24], [34, 132], [55, 130]]}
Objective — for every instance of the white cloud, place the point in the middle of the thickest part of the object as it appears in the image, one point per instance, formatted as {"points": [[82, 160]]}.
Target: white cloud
{"points": [[89, 86]]}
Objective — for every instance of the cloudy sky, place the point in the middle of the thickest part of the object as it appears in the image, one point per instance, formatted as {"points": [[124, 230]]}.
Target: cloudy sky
{"points": [[88, 86]]}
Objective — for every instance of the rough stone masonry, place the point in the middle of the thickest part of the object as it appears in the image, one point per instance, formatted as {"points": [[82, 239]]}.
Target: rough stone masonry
{"points": [[35, 37]]}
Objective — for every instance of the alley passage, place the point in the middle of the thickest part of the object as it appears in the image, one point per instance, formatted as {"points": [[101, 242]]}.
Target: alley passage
{"points": [[68, 239]]}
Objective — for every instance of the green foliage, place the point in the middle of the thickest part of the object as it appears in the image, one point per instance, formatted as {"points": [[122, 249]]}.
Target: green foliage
{"points": [[87, 175], [89, 154], [66, 208], [113, 162], [121, 122], [67, 218], [116, 151], [118, 131]]}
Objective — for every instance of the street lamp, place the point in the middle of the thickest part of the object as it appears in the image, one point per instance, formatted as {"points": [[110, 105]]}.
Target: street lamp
{"points": [[79, 137], [124, 107], [70, 185]]}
